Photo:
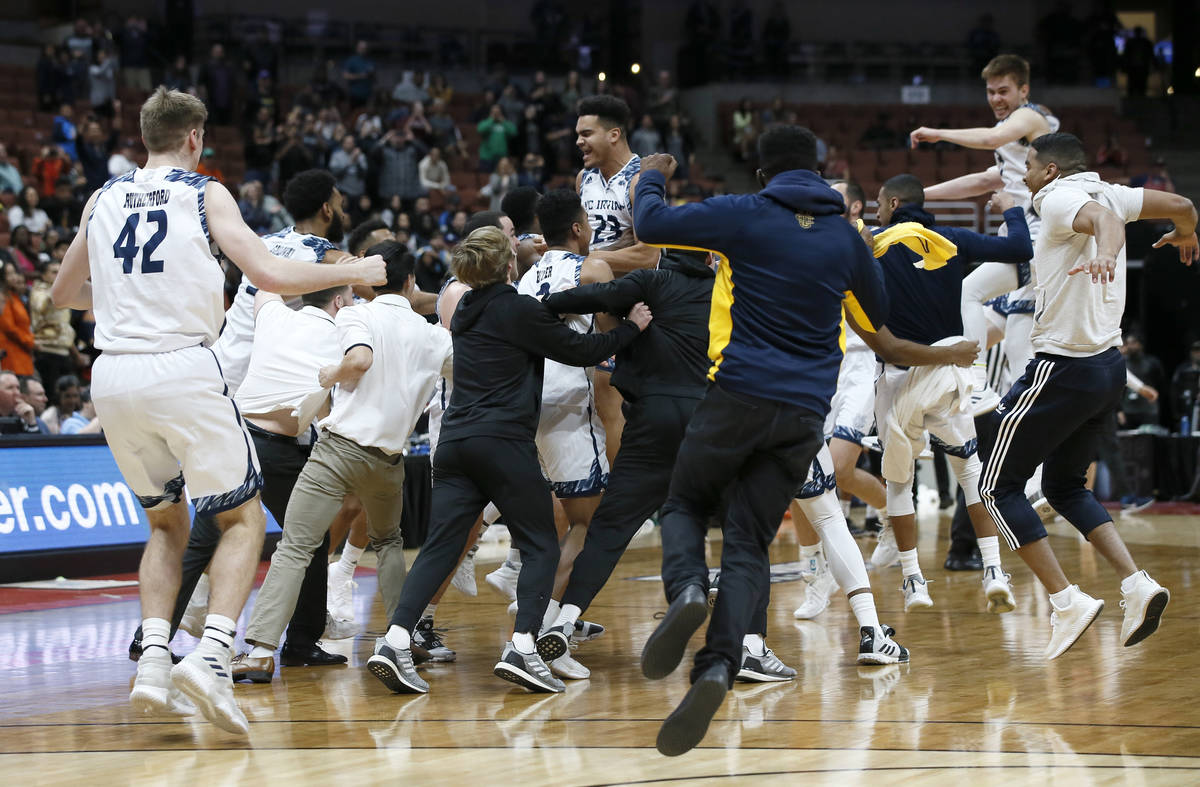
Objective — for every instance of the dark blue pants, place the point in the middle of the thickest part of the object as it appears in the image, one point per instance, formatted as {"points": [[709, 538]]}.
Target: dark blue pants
{"points": [[1054, 415], [761, 450]]}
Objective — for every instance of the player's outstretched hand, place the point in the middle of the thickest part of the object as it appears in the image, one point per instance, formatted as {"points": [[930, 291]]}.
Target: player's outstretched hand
{"points": [[663, 162], [1001, 201], [1189, 251], [1102, 268], [640, 314], [374, 271], [922, 134], [962, 353]]}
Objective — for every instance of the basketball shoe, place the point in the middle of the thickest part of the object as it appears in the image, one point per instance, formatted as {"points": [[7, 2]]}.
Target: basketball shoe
{"points": [[1068, 624], [205, 676], [1143, 600], [153, 692]]}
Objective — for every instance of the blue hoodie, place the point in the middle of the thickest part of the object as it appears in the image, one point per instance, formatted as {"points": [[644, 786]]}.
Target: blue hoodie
{"points": [[789, 260]]}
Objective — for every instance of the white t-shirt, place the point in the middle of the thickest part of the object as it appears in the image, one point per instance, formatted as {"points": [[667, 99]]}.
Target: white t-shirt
{"points": [[290, 347], [409, 355], [1075, 317]]}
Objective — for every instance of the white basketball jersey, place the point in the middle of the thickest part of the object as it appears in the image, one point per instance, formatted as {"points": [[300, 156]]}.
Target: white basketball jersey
{"points": [[156, 285], [237, 337], [1010, 160], [556, 271], [607, 202]]}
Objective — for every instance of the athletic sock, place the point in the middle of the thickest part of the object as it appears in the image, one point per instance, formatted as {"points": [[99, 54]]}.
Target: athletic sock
{"points": [[156, 633], [551, 615], [1061, 599], [219, 632], [514, 559], [398, 637], [568, 615], [863, 607], [350, 558], [909, 566], [807, 551], [429, 611], [755, 644], [260, 652], [523, 642], [989, 550]]}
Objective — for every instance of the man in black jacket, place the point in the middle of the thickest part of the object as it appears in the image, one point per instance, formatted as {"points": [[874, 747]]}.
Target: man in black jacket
{"points": [[486, 452], [661, 378]]}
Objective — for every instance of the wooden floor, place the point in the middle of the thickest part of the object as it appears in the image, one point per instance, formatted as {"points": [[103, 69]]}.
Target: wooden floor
{"points": [[976, 703]]}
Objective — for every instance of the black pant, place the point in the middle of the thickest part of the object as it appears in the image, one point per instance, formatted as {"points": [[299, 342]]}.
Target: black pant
{"points": [[962, 533], [281, 460], [637, 487], [467, 474], [761, 450], [1108, 451]]}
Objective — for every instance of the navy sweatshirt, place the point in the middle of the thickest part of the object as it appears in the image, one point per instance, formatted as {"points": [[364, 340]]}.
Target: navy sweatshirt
{"points": [[788, 261]]}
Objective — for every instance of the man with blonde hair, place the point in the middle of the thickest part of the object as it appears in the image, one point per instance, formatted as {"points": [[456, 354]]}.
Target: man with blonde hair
{"points": [[157, 292]]}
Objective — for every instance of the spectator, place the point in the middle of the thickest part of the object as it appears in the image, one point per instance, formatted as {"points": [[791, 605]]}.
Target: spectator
{"points": [[776, 39], [359, 73], [1136, 409], [646, 139], [94, 150], [84, 420], [292, 157], [260, 147], [21, 251], [434, 174], [179, 76], [122, 160], [262, 96], [16, 336], [134, 44], [102, 85], [1100, 37], [10, 176], [81, 38], [53, 336], [774, 114], [349, 165], [33, 393], [49, 167], [1157, 178], [363, 210], [678, 142], [1185, 386], [571, 92], [983, 43], [254, 212], [217, 78], [208, 165], [433, 263], [424, 224], [532, 172], [409, 89], [496, 132], [399, 155], [744, 132], [64, 206], [663, 99], [542, 95], [64, 132], [880, 135], [1111, 154], [445, 131], [47, 79], [530, 133], [511, 102], [17, 416], [439, 89], [394, 213], [66, 403], [455, 227], [418, 124], [837, 166], [502, 181], [1138, 61], [26, 213]]}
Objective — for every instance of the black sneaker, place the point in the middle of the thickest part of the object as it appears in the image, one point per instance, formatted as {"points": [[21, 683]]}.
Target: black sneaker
{"points": [[664, 648], [873, 649], [426, 637], [526, 669], [395, 669], [554, 640], [585, 631], [683, 730]]}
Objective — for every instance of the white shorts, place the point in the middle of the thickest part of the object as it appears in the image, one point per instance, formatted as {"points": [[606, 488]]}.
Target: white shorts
{"points": [[953, 432], [571, 446], [169, 421], [233, 355], [852, 410], [820, 477]]}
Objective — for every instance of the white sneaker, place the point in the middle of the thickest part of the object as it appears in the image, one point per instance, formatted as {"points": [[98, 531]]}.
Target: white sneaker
{"points": [[206, 679], [916, 593], [983, 400], [193, 617], [811, 566], [998, 590], [464, 575], [504, 580], [886, 552], [566, 667], [339, 599], [153, 693], [1143, 604], [1067, 625], [339, 629], [512, 610], [816, 595]]}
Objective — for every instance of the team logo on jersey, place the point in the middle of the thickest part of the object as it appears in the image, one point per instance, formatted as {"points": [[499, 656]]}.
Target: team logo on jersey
{"points": [[804, 220]]}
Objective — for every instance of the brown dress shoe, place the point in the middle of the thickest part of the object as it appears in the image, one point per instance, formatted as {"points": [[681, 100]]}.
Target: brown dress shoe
{"points": [[254, 670]]}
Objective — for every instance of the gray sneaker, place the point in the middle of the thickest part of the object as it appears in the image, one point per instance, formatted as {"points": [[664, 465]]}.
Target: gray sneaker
{"points": [[554, 640], [395, 669], [427, 637], [526, 669], [766, 668]]}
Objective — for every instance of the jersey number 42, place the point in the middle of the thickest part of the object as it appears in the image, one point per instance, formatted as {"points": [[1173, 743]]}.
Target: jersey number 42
{"points": [[126, 248]]}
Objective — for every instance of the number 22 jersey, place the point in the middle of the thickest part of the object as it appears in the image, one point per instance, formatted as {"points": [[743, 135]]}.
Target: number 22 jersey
{"points": [[156, 285], [608, 205]]}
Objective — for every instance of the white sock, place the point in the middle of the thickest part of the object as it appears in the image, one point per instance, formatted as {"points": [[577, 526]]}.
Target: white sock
{"points": [[398, 637], [755, 644], [551, 615], [989, 549], [569, 614], [200, 594], [259, 652], [1061, 599], [909, 565], [523, 642], [490, 514], [429, 611], [807, 551], [514, 558], [219, 632], [156, 633], [863, 607], [350, 557]]}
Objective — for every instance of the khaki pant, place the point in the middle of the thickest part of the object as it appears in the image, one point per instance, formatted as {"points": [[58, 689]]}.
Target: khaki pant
{"points": [[336, 468]]}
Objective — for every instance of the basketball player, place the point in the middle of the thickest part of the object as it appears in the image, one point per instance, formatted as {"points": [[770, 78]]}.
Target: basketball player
{"points": [[520, 205], [1018, 123], [157, 294], [909, 403], [1045, 419]]}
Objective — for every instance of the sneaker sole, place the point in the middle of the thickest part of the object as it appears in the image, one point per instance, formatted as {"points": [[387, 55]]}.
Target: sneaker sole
{"points": [[879, 659], [754, 676], [686, 726], [512, 674], [155, 702], [562, 673], [552, 645], [918, 604], [1154, 610], [254, 676], [1000, 600], [664, 648], [390, 677], [1086, 626], [185, 679]]}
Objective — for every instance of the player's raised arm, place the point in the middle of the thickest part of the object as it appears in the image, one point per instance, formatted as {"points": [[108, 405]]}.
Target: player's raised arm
{"points": [[966, 186], [1025, 123], [272, 273]]}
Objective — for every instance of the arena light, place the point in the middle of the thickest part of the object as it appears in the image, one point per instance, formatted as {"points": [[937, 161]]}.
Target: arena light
{"points": [[602, 76], [1197, 74], [636, 68], [1170, 90]]}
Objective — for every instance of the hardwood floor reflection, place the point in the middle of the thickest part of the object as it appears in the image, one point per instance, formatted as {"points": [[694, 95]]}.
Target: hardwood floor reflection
{"points": [[976, 702]]}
